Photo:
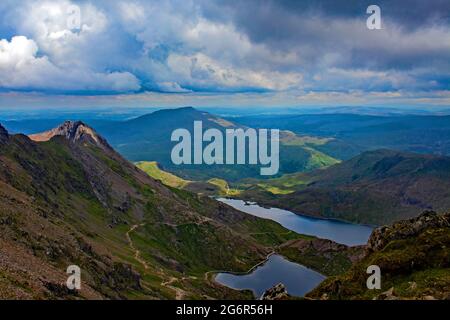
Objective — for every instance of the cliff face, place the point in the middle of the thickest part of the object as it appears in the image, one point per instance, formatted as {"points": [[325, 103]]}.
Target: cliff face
{"points": [[414, 259]]}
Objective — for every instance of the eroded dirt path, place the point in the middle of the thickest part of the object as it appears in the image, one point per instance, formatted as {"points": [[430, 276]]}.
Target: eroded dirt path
{"points": [[180, 294], [137, 253]]}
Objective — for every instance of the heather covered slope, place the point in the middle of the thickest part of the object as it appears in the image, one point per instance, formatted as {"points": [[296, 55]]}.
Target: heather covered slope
{"points": [[414, 259], [71, 199], [376, 187]]}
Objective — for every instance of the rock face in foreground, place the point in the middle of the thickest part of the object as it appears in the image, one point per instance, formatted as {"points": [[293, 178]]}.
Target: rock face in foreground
{"points": [[414, 259], [3, 135], [406, 229], [278, 292]]}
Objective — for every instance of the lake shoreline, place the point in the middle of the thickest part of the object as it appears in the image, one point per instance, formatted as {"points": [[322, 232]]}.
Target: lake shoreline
{"points": [[339, 231], [212, 275], [301, 214], [334, 230]]}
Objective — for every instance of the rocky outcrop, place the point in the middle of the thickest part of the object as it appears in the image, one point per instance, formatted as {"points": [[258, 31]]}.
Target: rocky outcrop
{"points": [[278, 292], [413, 258], [406, 229], [4, 136]]}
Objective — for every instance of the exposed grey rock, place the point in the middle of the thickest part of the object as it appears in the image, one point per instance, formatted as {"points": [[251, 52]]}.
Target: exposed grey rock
{"points": [[278, 292], [405, 229], [74, 131], [388, 295]]}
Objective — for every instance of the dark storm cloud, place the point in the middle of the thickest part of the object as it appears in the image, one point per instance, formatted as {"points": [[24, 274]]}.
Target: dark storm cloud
{"points": [[320, 27], [183, 46], [255, 16]]}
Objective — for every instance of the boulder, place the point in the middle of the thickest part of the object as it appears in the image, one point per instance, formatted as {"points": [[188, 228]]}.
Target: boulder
{"points": [[278, 292]]}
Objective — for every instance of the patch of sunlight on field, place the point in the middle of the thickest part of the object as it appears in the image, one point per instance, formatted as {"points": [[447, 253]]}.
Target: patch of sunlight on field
{"points": [[167, 178]]}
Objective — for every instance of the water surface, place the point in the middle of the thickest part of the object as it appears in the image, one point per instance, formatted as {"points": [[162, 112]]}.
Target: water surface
{"points": [[338, 231], [298, 279]]}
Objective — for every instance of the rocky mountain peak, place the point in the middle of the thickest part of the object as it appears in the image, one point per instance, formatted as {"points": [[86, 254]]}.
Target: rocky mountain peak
{"points": [[74, 131], [405, 229]]}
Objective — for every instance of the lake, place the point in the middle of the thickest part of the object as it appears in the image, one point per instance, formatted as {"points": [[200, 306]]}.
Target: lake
{"points": [[338, 231], [297, 279]]}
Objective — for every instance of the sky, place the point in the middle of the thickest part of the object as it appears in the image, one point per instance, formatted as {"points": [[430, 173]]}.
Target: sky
{"points": [[252, 53]]}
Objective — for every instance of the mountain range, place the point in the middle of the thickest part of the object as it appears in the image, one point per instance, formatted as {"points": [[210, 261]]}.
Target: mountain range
{"points": [[376, 187], [148, 138], [67, 198]]}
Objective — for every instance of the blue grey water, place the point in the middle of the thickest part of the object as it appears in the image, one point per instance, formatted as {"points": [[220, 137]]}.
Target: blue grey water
{"points": [[340, 232], [298, 279]]}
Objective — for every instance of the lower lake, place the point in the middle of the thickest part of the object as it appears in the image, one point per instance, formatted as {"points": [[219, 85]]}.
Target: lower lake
{"points": [[298, 279]]}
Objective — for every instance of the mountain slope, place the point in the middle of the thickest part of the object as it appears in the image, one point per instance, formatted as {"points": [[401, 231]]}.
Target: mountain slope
{"points": [[148, 138], [413, 257], [376, 187], [427, 134], [70, 199]]}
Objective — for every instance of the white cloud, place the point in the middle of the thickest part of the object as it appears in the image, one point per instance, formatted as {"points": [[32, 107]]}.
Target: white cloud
{"points": [[171, 87], [174, 46], [22, 68], [200, 69]]}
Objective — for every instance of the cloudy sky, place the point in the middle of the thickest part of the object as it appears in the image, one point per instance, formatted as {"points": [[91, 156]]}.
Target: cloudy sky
{"points": [[223, 53]]}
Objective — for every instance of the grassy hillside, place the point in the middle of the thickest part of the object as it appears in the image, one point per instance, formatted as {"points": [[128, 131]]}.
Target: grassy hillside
{"points": [[154, 171], [376, 187], [214, 186]]}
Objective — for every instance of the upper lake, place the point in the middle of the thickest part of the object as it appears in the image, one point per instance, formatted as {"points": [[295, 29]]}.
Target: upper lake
{"points": [[338, 231]]}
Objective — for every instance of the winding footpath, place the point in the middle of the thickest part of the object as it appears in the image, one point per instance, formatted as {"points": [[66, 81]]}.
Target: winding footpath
{"points": [[180, 294], [137, 253]]}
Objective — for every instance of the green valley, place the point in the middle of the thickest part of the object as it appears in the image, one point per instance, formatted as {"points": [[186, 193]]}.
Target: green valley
{"points": [[148, 138], [69, 198]]}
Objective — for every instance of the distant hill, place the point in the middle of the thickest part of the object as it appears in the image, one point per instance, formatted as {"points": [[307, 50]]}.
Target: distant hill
{"points": [[147, 138], [427, 134], [376, 187], [68, 198]]}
